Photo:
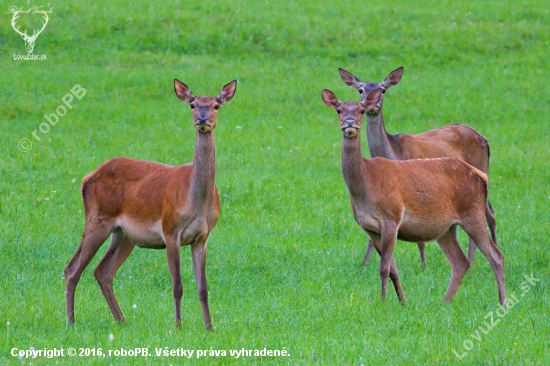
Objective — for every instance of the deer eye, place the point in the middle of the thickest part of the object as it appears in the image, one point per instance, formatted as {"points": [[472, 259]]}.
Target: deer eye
{"points": [[216, 107], [338, 111], [192, 106], [360, 91]]}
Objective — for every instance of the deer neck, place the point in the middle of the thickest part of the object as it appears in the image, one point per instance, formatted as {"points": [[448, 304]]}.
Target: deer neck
{"points": [[352, 168], [203, 180], [378, 139]]}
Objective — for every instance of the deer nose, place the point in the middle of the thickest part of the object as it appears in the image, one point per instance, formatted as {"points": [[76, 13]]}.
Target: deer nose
{"points": [[349, 122], [202, 120]]}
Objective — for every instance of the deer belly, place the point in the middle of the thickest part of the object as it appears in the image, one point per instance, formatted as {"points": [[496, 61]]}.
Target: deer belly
{"points": [[143, 235], [413, 229]]}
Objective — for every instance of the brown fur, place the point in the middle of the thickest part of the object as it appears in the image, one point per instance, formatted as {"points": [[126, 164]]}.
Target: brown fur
{"points": [[449, 141], [414, 200], [154, 206], [456, 140]]}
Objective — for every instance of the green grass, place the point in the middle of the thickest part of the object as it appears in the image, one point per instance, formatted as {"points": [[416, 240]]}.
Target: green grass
{"points": [[283, 260]]}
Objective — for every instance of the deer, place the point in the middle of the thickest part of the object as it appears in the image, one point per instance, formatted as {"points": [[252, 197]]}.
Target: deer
{"points": [[455, 140], [29, 40], [413, 200], [153, 206]]}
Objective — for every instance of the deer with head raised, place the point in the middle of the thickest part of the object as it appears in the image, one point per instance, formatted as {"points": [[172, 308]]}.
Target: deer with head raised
{"points": [[413, 200], [456, 140], [29, 40], [154, 206]]}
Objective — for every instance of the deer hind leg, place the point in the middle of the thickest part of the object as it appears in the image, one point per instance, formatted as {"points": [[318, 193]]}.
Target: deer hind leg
{"points": [[370, 248], [422, 250], [471, 251], [459, 263], [198, 253], [478, 232], [95, 233], [491, 221], [388, 268], [119, 250]]}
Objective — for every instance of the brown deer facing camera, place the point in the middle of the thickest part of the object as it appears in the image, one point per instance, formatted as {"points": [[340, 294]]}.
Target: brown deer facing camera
{"points": [[457, 141], [413, 200], [154, 206]]}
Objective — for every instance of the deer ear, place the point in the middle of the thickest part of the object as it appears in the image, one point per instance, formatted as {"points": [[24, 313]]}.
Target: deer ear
{"points": [[330, 99], [227, 92], [393, 78], [183, 92], [349, 79], [371, 103]]}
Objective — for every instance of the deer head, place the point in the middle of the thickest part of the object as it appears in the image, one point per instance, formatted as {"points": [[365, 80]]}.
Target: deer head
{"points": [[350, 114], [365, 88], [29, 40], [205, 109]]}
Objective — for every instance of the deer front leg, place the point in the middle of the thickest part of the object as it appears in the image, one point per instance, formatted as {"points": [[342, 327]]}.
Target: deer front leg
{"points": [[173, 256], [388, 238], [198, 253], [422, 250], [368, 253], [392, 272]]}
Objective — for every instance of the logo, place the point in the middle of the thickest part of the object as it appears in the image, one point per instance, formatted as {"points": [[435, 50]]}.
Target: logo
{"points": [[30, 26]]}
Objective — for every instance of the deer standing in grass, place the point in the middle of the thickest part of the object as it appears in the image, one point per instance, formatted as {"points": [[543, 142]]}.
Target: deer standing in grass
{"points": [[456, 140], [154, 206], [413, 200]]}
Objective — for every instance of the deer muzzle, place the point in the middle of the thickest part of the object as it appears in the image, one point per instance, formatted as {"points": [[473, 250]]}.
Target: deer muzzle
{"points": [[204, 125], [350, 128]]}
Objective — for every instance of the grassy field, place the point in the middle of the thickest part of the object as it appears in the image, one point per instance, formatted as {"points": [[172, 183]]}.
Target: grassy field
{"points": [[283, 262]]}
